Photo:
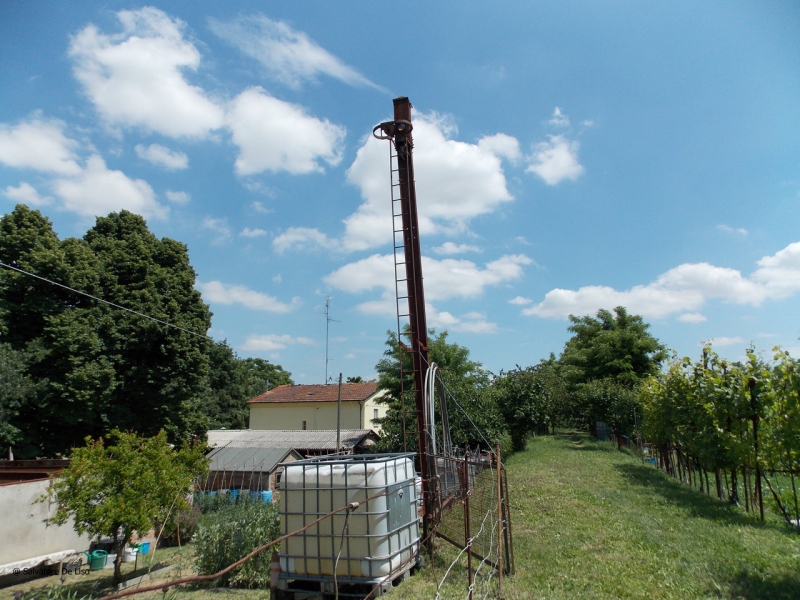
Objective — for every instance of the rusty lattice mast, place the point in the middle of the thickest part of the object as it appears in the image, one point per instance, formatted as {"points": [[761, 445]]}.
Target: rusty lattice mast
{"points": [[406, 238]]}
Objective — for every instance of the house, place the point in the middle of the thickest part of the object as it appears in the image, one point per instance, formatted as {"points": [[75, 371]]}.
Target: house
{"points": [[306, 443], [314, 407]]}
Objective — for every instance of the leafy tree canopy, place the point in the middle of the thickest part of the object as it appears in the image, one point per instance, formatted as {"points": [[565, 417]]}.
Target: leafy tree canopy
{"points": [[613, 346], [473, 414], [97, 367], [231, 382], [124, 487]]}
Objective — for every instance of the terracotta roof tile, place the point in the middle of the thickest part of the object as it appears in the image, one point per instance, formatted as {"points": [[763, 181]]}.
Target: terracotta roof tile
{"points": [[317, 393]]}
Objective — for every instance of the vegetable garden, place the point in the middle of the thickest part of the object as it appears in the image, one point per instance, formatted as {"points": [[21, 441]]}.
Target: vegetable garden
{"points": [[732, 426]]}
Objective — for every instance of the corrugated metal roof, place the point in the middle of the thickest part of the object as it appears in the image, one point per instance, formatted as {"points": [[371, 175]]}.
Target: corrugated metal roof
{"points": [[324, 439], [248, 459], [351, 392]]}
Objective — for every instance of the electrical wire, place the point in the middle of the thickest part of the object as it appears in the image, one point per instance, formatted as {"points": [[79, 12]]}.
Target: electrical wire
{"points": [[130, 310], [73, 290]]}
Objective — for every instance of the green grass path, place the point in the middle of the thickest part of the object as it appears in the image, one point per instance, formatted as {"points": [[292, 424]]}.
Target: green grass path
{"points": [[592, 522]]}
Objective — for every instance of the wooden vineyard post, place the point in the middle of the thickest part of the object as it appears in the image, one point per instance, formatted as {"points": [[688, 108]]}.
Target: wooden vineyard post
{"points": [[499, 521], [759, 493]]}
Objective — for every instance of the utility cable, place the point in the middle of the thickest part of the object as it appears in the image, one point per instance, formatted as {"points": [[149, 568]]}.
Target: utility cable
{"points": [[61, 285], [130, 310]]}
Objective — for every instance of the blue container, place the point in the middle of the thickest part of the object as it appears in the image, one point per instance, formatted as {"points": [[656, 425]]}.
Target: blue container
{"points": [[212, 494], [234, 494], [144, 547], [255, 496], [266, 496]]}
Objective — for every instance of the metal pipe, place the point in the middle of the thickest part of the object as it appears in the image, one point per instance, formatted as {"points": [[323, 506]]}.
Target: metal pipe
{"points": [[339, 417]]}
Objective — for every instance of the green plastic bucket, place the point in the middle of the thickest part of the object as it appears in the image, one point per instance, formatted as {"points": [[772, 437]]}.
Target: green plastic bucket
{"points": [[97, 559]]}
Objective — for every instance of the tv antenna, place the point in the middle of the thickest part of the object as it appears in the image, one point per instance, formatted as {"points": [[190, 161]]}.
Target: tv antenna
{"points": [[328, 321]]}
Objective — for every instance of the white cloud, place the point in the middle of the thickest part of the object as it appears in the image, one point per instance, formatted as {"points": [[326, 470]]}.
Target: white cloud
{"points": [[559, 119], [452, 248], [476, 327], [98, 190], [475, 315], [277, 278], [520, 301], [274, 342], [687, 287], [501, 145], [247, 232], [302, 237], [38, 144], [475, 322], [726, 341], [221, 293], [163, 156], [177, 197], [556, 160], [218, 226], [691, 318], [260, 208], [136, 78], [455, 182], [779, 274], [733, 231], [444, 279], [25, 193], [274, 135], [289, 56]]}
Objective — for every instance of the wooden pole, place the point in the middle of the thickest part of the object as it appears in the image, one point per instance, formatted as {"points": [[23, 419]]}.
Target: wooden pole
{"points": [[500, 521]]}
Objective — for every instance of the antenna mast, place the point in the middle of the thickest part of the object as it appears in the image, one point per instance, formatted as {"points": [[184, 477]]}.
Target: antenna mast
{"points": [[406, 231], [328, 321]]}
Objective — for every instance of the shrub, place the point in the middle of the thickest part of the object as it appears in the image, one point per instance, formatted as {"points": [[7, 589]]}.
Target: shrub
{"points": [[232, 532], [180, 526]]}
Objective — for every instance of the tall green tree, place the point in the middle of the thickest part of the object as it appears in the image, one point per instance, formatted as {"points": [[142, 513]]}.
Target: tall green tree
{"points": [[231, 382], [16, 389], [616, 346], [95, 366], [529, 399], [473, 414]]}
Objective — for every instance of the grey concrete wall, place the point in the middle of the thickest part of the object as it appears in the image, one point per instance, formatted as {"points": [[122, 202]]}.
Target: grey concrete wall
{"points": [[23, 533]]}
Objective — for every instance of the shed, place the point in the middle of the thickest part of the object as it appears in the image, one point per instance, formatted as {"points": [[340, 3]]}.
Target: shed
{"points": [[248, 468], [307, 443]]}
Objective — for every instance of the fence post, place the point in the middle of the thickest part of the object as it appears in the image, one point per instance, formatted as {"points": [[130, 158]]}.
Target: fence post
{"points": [[467, 523], [500, 521]]}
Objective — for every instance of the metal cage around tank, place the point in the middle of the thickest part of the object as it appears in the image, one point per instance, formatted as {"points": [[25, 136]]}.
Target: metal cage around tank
{"points": [[373, 543]]}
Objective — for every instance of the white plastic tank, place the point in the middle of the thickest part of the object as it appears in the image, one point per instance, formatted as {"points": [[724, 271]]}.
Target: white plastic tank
{"points": [[382, 535]]}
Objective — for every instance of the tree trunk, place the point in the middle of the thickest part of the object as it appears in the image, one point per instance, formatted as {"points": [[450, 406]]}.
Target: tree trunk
{"points": [[119, 548], [718, 481], [734, 487]]}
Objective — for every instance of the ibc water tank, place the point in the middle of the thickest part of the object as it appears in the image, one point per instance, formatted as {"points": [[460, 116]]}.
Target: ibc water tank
{"points": [[382, 537]]}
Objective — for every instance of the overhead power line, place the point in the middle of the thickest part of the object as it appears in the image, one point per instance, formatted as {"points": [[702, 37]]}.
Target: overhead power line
{"points": [[130, 310], [200, 335]]}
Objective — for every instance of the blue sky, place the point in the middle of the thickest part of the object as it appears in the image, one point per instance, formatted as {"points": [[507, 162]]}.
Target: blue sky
{"points": [[569, 157]]}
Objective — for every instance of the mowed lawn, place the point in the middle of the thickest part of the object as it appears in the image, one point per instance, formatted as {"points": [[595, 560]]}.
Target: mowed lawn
{"points": [[593, 522]]}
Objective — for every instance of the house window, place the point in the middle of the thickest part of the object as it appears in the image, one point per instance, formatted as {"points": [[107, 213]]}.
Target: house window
{"points": [[374, 413], [304, 426]]}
